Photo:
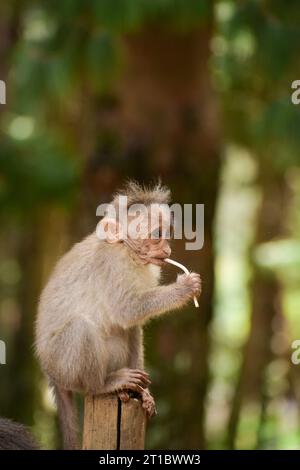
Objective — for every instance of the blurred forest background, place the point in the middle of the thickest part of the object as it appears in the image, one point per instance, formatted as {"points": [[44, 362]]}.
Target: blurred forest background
{"points": [[196, 92]]}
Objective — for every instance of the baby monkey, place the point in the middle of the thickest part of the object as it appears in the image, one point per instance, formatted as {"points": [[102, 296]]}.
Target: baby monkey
{"points": [[91, 312]]}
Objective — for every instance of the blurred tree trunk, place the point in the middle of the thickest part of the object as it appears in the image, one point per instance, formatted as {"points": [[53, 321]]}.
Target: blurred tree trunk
{"points": [[38, 249], [22, 366], [170, 129], [20, 347], [10, 14], [266, 296]]}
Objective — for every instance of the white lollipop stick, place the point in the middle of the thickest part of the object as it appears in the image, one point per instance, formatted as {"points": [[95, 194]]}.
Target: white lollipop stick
{"points": [[185, 270]]}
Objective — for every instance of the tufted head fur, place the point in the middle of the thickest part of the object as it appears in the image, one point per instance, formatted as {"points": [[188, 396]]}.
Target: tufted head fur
{"points": [[142, 194]]}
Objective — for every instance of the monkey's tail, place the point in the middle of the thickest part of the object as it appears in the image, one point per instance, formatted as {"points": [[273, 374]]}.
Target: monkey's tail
{"points": [[68, 417]]}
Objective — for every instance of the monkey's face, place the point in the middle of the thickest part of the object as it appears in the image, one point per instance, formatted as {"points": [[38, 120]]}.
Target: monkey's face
{"points": [[146, 233], [154, 250], [150, 238], [150, 250]]}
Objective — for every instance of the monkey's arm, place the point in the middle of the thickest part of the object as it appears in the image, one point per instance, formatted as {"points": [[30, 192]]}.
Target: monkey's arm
{"points": [[159, 300]]}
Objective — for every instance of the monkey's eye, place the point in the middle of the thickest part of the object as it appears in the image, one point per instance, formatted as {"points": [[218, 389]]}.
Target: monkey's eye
{"points": [[156, 234]]}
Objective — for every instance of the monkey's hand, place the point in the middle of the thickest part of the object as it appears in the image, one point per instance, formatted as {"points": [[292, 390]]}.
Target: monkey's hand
{"points": [[190, 284], [148, 403], [125, 379]]}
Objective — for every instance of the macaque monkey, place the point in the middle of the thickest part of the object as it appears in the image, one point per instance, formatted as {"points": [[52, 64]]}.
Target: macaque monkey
{"points": [[91, 312], [15, 436]]}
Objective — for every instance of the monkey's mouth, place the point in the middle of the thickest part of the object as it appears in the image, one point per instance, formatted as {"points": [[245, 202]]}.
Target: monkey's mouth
{"points": [[159, 261]]}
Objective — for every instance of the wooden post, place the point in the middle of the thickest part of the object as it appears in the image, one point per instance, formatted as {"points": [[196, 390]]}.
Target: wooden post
{"points": [[110, 424]]}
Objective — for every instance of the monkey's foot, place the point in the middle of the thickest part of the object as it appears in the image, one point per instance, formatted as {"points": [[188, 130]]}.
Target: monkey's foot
{"points": [[148, 403], [124, 396]]}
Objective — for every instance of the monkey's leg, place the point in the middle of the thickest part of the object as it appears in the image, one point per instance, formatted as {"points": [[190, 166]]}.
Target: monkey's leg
{"points": [[136, 360], [136, 356], [136, 348]]}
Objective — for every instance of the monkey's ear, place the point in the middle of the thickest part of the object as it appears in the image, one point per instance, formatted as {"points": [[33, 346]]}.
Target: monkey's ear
{"points": [[109, 230]]}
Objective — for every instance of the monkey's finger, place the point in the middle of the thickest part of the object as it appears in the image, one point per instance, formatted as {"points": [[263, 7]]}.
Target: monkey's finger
{"points": [[140, 378], [197, 285], [135, 387], [124, 396], [151, 413], [141, 372], [150, 408], [195, 275], [196, 290], [145, 380], [144, 384]]}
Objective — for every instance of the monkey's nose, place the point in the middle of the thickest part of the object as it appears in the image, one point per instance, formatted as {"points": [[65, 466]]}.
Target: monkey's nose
{"points": [[167, 251]]}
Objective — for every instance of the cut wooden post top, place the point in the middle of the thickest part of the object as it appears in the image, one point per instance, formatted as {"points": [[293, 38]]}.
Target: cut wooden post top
{"points": [[110, 424]]}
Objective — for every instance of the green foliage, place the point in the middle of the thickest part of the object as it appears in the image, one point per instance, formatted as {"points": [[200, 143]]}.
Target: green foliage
{"points": [[35, 172], [101, 60], [128, 15], [62, 45], [257, 51]]}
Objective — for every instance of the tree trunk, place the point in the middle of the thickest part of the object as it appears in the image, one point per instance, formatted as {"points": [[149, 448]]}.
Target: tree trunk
{"points": [[266, 293], [169, 128]]}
